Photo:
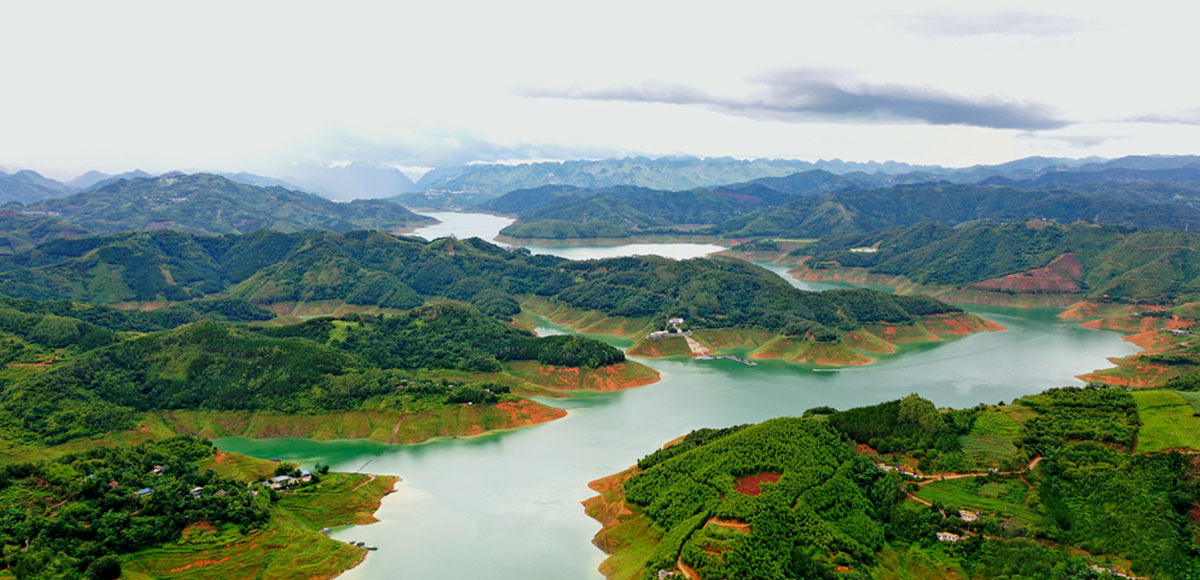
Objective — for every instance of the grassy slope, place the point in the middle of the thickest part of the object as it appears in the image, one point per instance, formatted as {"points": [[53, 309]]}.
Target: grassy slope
{"points": [[585, 321], [1008, 497], [624, 375], [290, 547], [384, 426], [1168, 422]]}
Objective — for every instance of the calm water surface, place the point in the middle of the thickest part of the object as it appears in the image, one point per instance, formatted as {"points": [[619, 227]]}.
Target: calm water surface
{"points": [[465, 225], [506, 505]]}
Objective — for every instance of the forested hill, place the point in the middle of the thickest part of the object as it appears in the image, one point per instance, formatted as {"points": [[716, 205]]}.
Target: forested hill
{"points": [[318, 366], [818, 203], [1098, 262], [713, 293], [624, 211], [863, 211], [210, 204], [808, 498], [382, 270]]}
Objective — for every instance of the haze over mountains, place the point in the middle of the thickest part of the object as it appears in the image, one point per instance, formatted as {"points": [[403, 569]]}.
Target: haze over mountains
{"points": [[613, 198], [346, 181]]}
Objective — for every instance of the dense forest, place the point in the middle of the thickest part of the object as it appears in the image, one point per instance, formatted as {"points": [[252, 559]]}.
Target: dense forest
{"points": [[229, 275], [716, 293], [1116, 263], [819, 509], [320, 365]]}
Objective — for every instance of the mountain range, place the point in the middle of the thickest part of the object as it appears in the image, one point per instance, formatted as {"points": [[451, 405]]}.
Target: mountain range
{"points": [[198, 203], [818, 203]]}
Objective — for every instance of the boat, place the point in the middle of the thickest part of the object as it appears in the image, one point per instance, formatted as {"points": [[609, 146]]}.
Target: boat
{"points": [[705, 357], [742, 360]]}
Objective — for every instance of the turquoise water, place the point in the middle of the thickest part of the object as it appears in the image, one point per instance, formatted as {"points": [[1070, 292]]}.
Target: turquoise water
{"points": [[506, 505]]}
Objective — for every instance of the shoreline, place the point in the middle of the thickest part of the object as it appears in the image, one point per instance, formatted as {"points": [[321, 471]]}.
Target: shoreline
{"points": [[1149, 333], [636, 239], [851, 351]]}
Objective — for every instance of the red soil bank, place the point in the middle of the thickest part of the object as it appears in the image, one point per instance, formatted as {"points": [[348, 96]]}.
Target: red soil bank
{"points": [[1060, 275], [751, 485]]}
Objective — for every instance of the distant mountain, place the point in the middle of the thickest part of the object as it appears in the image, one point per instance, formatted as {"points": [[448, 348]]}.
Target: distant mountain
{"points": [[210, 204], [548, 211], [107, 179], [421, 200], [666, 173], [259, 180], [354, 181], [1148, 162], [444, 187], [1123, 175], [867, 210], [523, 201], [87, 180], [28, 186]]}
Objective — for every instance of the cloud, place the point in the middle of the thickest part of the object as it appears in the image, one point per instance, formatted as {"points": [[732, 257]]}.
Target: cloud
{"points": [[1076, 141], [1184, 117], [811, 96], [988, 23], [421, 150]]}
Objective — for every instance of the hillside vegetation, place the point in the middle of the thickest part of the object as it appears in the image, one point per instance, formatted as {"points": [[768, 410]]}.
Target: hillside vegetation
{"points": [[206, 204], [951, 204], [1107, 263], [381, 270], [163, 508], [319, 366], [791, 498]]}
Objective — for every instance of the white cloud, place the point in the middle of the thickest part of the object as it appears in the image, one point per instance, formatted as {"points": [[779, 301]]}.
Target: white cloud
{"points": [[252, 86]]}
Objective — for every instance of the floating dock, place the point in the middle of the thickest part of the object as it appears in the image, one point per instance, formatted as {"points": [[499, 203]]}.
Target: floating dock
{"points": [[728, 356]]}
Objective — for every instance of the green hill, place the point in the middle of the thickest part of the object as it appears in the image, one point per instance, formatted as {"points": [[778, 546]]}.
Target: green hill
{"points": [[868, 210], [318, 366], [563, 212], [210, 204], [1099, 263], [21, 233], [374, 269]]}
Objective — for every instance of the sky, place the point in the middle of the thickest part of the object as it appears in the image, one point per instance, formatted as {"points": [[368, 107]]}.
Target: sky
{"points": [[260, 86]]}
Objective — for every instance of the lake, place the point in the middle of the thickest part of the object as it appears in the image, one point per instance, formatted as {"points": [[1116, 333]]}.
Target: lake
{"points": [[506, 505]]}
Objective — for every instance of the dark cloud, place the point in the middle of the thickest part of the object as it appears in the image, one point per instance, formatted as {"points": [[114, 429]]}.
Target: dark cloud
{"points": [[985, 23], [808, 96]]}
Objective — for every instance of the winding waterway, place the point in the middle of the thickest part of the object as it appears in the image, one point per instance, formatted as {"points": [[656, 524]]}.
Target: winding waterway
{"points": [[506, 505]]}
